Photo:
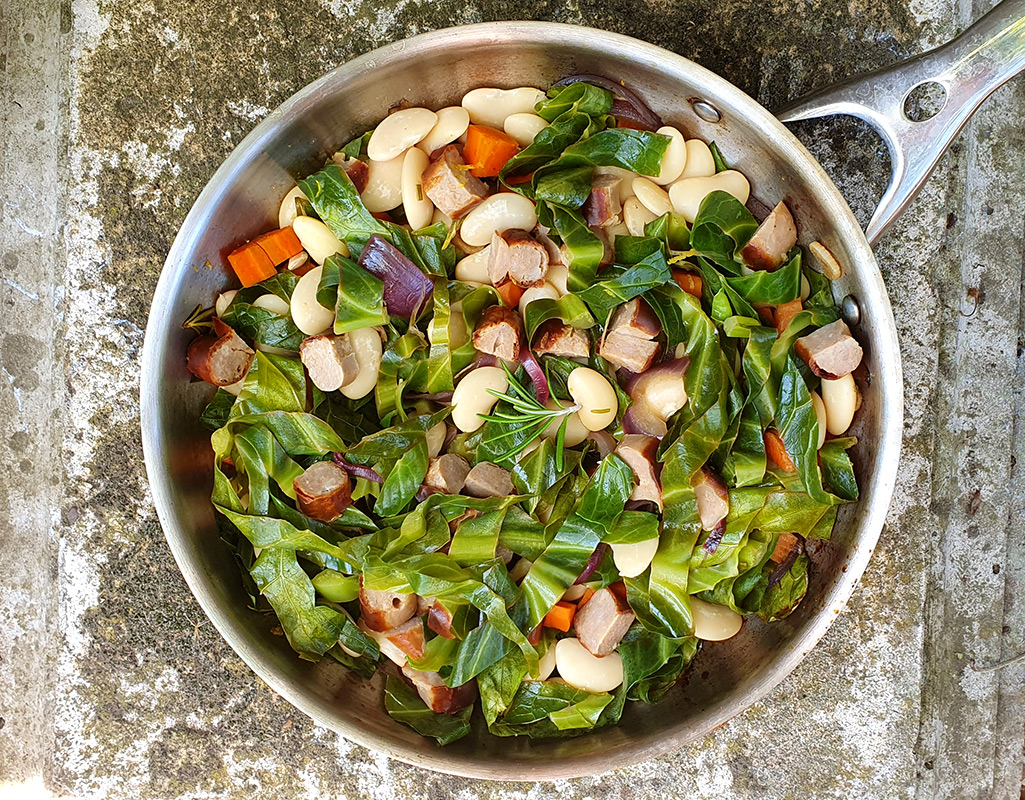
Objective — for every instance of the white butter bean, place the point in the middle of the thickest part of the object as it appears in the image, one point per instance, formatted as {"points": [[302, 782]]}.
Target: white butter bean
{"points": [[632, 559], [474, 267], [840, 398], [820, 415], [675, 159], [441, 216], [383, 191], [687, 193], [575, 430], [618, 229], [584, 671], [489, 106], [652, 197], [472, 397], [298, 260], [500, 212], [286, 211], [400, 131], [594, 394], [712, 622], [545, 290], [366, 346], [805, 288], [636, 216], [523, 127], [223, 301], [436, 439], [308, 315], [317, 239], [452, 123], [575, 592], [700, 163], [546, 664], [830, 266], [458, 335], [558, 274], [520, 570], [271, 302], [415, 202]]}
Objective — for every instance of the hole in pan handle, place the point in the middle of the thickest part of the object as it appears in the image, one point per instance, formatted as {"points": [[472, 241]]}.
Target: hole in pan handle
{"points": [[968, 69]]}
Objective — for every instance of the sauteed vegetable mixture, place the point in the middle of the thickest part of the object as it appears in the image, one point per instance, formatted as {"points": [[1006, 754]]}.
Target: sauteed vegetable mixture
{"points": [[524, 400]]}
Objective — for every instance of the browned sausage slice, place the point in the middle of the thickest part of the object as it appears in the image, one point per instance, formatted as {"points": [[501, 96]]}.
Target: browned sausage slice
{"points": [[324, 491]]}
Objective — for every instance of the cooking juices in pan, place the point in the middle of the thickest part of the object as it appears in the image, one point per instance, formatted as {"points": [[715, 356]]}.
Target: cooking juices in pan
{"points": [[522, 404]]}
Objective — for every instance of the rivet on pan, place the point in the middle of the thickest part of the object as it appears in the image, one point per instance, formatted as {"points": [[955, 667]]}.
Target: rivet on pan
{"points": [[706, 110], [850, 309]]}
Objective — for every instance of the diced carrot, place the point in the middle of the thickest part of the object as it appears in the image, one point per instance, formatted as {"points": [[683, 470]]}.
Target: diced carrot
{"points": [[487, 149], [786, 312], [280, 245], [509, 293], [777, 451], [251, 264], [561, 616], [688, 281], [768, 314], [785, 543]]}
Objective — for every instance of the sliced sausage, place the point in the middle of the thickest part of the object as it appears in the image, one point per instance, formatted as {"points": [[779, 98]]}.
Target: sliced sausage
{"points": [[785, 312], [446, 474], [401, 643], [382, 610], [488, 480], [602, 622], [449, 184], [629, 352], [518, 256], [323, 491], [557, 339], [713, 498], [769, 246], [357, 170], [830, 352], [602, 207], [499, 333], [636, 318], [221, 359], [639, 452], [330, 361], [440, 698]]}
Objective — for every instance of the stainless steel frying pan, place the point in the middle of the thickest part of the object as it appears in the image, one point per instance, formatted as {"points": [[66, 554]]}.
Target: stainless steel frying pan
{"points": [[435, 69]]}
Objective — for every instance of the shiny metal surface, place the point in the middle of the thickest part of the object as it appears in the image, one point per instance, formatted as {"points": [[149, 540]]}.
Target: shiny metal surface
{"points": [[969, 68], [435, 69]]}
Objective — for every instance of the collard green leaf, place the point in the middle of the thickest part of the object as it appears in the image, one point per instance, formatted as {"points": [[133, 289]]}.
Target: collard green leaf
{"points": [[217, 411], [770, 288], [837, 469], [338, 204], [274, 383], [603, 296], [311, 629], [783, 597], [569, 308], [439, 359], [722, 226], [405, 706], [632, 527], [355, 294], [403, 480], [582, 715]]}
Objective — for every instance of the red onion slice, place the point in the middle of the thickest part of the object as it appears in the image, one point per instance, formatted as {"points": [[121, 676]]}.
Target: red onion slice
{"points": [[358, 471], [627, 105], [592, 562], [537, 375], [406, 288]]}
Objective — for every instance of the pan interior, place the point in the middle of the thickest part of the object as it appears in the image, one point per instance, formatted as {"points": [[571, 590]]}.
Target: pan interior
{"points": [[434, 70]]}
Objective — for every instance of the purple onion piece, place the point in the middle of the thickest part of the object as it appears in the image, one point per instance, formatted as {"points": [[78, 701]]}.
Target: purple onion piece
{"points": [[406, 288], [626, 105], [592, 562], [537, 375], [358, 471]]}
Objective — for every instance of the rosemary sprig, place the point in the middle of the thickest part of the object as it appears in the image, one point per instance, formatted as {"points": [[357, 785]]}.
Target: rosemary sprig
{"points": [[200, 320], [527, 414]]}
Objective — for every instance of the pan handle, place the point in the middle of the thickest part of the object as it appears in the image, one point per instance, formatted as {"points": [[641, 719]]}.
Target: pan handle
{"points": [[969, 69]]}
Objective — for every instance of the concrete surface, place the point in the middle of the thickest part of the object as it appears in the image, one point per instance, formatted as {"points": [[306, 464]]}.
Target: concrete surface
{"points": [[112, 683]]}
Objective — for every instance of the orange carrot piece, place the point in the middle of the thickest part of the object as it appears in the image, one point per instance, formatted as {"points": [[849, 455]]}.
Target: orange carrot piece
{"points": [[280, 245], [777, 451], [688, 281], [561, 616], [587, 595], [487, 149], [251, 264], [786, 312], [516, 181], [509, 293], [768, 314]]}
